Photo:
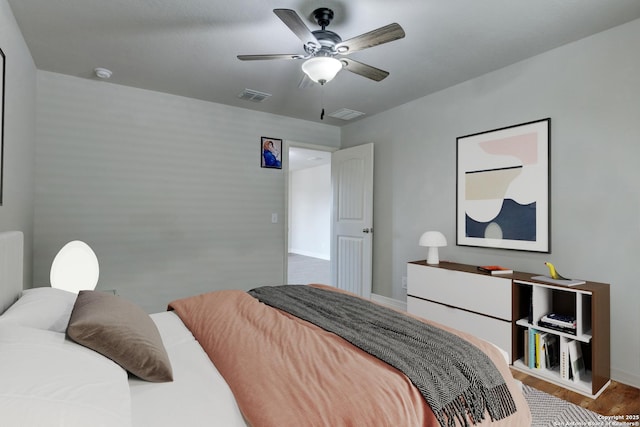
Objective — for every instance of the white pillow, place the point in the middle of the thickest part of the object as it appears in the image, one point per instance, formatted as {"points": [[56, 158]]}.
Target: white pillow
{"points": [[42, 308], [48, 380]]}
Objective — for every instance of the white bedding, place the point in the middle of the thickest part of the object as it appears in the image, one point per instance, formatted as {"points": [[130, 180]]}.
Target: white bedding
{"points": [[198, 395], [48, 380]]}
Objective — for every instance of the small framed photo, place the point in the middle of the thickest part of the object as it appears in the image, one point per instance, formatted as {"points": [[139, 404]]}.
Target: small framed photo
{"points": [[270, 152], [503, 188]]}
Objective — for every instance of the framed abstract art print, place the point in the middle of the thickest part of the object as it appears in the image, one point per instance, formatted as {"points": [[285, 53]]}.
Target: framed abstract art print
{"points": [[503, 183]]}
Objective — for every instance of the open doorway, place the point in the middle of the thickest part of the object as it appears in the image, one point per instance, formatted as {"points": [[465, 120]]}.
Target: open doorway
{"points": [[309, 216]]}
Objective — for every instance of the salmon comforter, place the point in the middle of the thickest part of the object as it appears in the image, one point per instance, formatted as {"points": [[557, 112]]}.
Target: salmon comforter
{"points": [[284, 371]]}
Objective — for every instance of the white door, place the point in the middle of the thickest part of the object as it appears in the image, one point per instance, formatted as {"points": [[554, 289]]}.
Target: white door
{"points": [[352, 219]]}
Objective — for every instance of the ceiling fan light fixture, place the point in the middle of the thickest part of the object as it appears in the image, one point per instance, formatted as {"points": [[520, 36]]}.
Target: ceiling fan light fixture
{"points": [[321, 69]]}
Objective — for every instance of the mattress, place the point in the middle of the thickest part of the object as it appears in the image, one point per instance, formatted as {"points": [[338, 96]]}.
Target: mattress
{"points": [[198, 395]]}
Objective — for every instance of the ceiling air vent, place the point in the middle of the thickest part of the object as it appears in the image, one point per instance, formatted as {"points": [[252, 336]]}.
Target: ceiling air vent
{"points": [[253, 95], [346, 114]]}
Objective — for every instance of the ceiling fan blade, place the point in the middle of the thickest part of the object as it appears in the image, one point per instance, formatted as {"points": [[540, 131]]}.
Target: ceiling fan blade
{"points": [[364, 70], [262, 57], [376, 37], [295, 24]]}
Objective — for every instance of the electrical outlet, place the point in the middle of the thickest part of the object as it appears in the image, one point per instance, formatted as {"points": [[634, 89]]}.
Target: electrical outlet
{"points": [[274, 218], [404, 282]]}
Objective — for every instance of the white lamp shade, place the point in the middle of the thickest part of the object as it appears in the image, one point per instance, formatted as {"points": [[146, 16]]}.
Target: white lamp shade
{"points": [[75, 268], [433, 240], [321, 69]]}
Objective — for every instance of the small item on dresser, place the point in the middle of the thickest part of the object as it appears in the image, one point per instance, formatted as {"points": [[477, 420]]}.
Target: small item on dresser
{"points": [[555, 277], [494, 269]]}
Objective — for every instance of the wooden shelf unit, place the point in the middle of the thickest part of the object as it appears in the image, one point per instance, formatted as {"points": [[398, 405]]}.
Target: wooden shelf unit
{"points": [[496, 308], [590, 304]]}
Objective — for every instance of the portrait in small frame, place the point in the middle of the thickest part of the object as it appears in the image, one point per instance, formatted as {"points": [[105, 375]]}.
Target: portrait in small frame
{"points": [[270, 153]]}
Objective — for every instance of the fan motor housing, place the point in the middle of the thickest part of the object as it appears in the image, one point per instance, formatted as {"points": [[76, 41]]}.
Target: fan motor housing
{"points": [[328, 40]]}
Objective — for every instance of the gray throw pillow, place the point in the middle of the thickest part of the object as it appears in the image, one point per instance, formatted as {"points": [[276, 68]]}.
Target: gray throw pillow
{"points": [[121, 331]]}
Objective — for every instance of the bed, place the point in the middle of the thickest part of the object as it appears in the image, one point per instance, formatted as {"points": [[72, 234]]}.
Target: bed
{"points": [[58, 355]]}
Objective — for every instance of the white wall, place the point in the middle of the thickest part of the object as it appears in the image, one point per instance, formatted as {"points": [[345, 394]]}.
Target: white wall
{"points": [[310, 212], [591, 91], [16, 212], [167, 190]]}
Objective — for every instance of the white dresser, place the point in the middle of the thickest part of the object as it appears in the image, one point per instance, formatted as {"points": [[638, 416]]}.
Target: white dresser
{"points": [[459, 296], [506, 310]]}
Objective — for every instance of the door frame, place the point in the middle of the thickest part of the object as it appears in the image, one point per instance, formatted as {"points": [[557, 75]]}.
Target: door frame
{"points": [[285, 162]]}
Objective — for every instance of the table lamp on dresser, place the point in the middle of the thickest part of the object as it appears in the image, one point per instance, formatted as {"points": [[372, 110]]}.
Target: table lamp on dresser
{"points": [[433, 240]]}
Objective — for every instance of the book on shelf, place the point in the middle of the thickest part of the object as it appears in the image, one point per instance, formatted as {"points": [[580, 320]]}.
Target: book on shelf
{"points": [[532, 348], [577, 361], [565, 364], [542, 349], [541, 362], [526, 347], [494, 269], [534, 353], [551, 351], [538, 344]]}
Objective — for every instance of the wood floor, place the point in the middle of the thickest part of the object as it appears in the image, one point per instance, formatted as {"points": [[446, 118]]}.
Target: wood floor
{"points": [[617, 399]]}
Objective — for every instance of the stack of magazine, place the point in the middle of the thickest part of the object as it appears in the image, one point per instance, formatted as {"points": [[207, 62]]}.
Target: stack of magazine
{"points": [[559, 322]]}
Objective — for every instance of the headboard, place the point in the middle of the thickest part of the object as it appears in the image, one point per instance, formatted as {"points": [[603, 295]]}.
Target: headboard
{"points": [[11, 252]]}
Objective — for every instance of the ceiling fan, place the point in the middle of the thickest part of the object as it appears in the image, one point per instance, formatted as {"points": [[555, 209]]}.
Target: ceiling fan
{"points": [[323, 46]]}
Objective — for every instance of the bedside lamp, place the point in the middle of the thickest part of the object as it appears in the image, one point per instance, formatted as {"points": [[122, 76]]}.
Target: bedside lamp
{"points": [[75, 268], [433, 240]]}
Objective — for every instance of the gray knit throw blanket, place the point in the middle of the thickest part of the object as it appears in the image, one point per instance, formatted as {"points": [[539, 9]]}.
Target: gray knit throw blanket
{"points": [[456, 379]]}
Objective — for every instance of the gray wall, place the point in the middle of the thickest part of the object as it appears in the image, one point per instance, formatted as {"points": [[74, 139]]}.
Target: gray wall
{"points": [[591, 91], [167, 190], [16, 212]]}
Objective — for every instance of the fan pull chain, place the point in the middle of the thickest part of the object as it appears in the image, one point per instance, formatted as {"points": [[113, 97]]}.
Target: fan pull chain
{"points": [[322, 102]]}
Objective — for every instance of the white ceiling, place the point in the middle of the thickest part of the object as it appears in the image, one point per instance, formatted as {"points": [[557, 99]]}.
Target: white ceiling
{"points": [[189, 47]]}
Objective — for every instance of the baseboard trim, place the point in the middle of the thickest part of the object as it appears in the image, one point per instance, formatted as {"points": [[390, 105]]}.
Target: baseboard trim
{"points": [[625, 378], [311, 254], [389, 302]]}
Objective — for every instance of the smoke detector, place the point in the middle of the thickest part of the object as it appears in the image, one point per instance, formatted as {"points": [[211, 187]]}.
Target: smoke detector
{"points": [[102, 73]]}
